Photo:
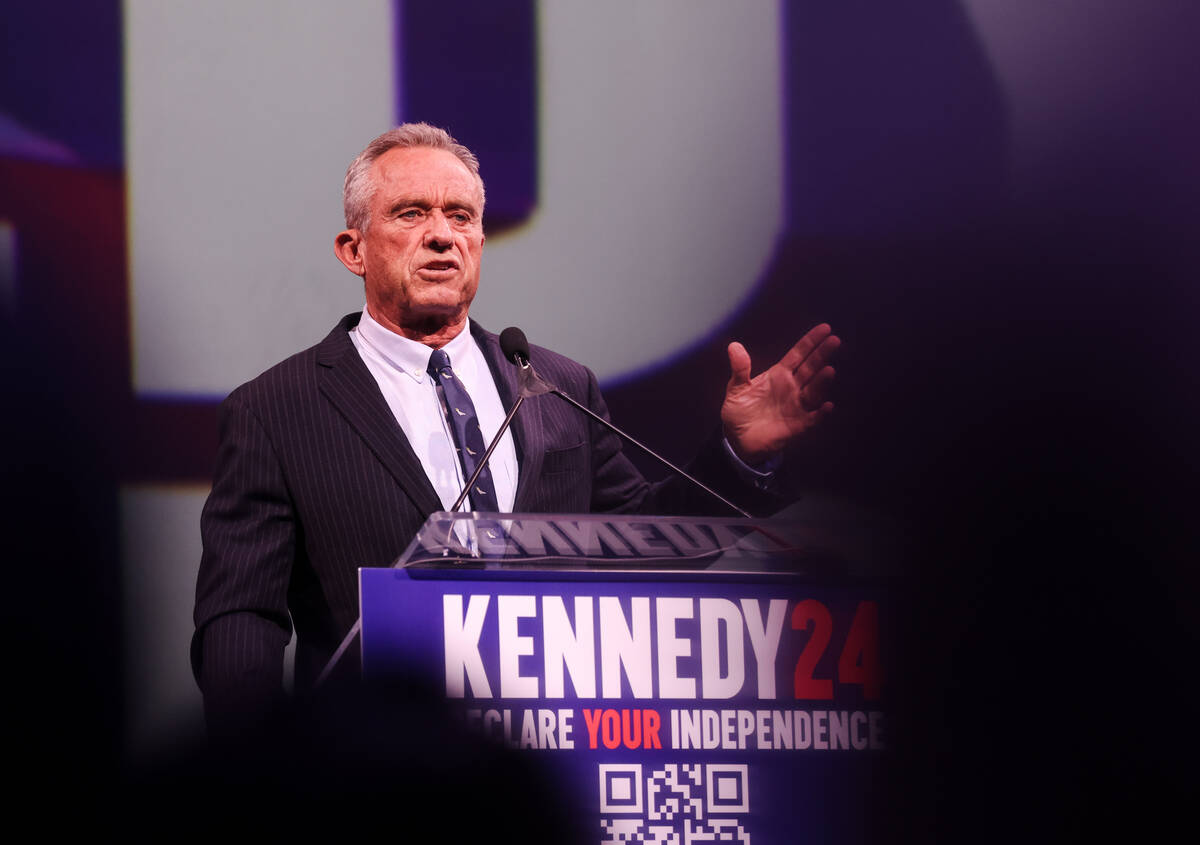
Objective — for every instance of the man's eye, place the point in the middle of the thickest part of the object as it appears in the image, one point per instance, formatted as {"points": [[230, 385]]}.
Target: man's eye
{"points": [[411, 214], [461, 218]]}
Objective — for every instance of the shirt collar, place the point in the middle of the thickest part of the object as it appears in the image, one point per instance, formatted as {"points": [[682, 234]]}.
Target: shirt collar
{"points": [[409, 356]]}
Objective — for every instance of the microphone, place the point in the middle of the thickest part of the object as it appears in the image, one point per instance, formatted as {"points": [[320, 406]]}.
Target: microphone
{"points": [[515, 347]]}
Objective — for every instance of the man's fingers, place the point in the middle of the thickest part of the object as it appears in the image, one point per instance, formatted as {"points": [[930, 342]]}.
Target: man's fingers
{"points": [[814, 393], [816, 337], [817, 360], [739, 364]]}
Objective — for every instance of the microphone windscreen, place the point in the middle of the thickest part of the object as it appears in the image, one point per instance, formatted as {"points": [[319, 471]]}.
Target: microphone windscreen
{"points": [[514, 345]]}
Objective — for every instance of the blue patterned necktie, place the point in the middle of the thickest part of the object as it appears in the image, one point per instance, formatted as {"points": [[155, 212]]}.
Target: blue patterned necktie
{"points": [[468, 439]]}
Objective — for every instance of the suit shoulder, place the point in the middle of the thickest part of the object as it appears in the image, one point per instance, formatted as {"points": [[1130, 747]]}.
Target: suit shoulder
{"points": [[560, 367]]}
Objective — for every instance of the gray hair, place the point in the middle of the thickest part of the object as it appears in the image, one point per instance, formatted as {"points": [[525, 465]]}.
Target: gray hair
{"points": [[357, 191]]}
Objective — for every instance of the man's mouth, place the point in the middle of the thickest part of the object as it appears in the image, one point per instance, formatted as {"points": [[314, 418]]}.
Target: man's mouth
{"points": [[439, 269]]}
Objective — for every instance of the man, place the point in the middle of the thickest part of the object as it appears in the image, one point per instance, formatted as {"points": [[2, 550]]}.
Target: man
{"points": [[333, 459]]}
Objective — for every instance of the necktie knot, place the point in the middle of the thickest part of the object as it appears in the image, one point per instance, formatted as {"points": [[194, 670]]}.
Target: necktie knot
{"points": [[438, 361]]}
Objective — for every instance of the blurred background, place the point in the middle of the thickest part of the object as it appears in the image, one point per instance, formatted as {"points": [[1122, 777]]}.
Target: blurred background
{"points": [[996, 205]]}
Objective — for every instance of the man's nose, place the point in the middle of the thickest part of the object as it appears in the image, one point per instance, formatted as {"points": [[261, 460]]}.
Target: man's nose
{"points": [[438, 234]]}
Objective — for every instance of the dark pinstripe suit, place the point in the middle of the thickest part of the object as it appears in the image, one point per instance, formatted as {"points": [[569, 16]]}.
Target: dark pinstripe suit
{"points": [[315, 478]]}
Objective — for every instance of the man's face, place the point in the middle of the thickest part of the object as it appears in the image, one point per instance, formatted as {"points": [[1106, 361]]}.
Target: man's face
{"points": [[419, 257]]}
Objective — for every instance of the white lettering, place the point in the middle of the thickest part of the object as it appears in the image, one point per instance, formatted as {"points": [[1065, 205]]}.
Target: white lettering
{"points": [[839, 729], [671, 647], [745, 726], [782, 729], [546, 729], [565, 741], [491, 720], [803, 730], [513, 646], [462, 646], [728, 727], [575, 648], [622, 645], [712, 613], [709, 729], [820, 730], [764, 639], [858, 737], [528, 731]]}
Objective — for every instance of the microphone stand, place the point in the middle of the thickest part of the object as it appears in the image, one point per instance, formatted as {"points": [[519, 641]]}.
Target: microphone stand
{"points": [[531, 384]]}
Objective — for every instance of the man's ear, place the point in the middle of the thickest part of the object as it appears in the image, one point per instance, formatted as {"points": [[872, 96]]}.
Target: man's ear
{"points": [[348, 247]]}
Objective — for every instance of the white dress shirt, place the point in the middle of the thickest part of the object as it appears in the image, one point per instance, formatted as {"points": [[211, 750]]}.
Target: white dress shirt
{"points": [[399, 367]]}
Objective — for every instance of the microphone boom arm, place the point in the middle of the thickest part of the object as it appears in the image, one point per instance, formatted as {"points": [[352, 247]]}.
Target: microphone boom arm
{"points": [[545, 387], [516, 349], [487, 456]]}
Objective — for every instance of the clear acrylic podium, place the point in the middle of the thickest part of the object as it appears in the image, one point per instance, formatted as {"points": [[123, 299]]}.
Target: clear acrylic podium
{"points": [[643, 543]]}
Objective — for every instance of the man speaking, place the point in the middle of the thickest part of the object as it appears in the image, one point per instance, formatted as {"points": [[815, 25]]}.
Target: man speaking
{"points": [[334, 458]]}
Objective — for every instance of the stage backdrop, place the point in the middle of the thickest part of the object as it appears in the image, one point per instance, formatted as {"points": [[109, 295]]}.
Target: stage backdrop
{"points": [[993, 203]]}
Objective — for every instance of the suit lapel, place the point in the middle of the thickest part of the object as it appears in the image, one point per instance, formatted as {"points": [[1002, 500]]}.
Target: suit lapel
{"points": [[526, 425], [346, 382]]}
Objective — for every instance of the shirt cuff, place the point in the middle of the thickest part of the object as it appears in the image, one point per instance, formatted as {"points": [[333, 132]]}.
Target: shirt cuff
{"points": [[760, 476]]}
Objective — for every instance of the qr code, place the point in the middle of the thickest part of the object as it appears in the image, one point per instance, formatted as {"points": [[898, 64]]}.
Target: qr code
{"points": [[675, 805]]}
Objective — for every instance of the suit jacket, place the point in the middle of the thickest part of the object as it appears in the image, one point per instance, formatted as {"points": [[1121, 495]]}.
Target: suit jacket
{"points": [[315, 478]]}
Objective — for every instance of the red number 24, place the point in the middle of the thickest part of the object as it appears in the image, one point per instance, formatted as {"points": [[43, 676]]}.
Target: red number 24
{"points": [[859, 660]]}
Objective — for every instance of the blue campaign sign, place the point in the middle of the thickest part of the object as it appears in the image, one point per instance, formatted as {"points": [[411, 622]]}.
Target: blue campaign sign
{"points": [[676, 706]]}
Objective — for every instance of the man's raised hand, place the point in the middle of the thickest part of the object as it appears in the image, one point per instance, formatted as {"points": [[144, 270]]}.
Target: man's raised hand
{"points": [[763, 414]]}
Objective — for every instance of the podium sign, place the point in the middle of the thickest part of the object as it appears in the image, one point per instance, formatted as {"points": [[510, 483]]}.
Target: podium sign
{"points": [[686, 680]]}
